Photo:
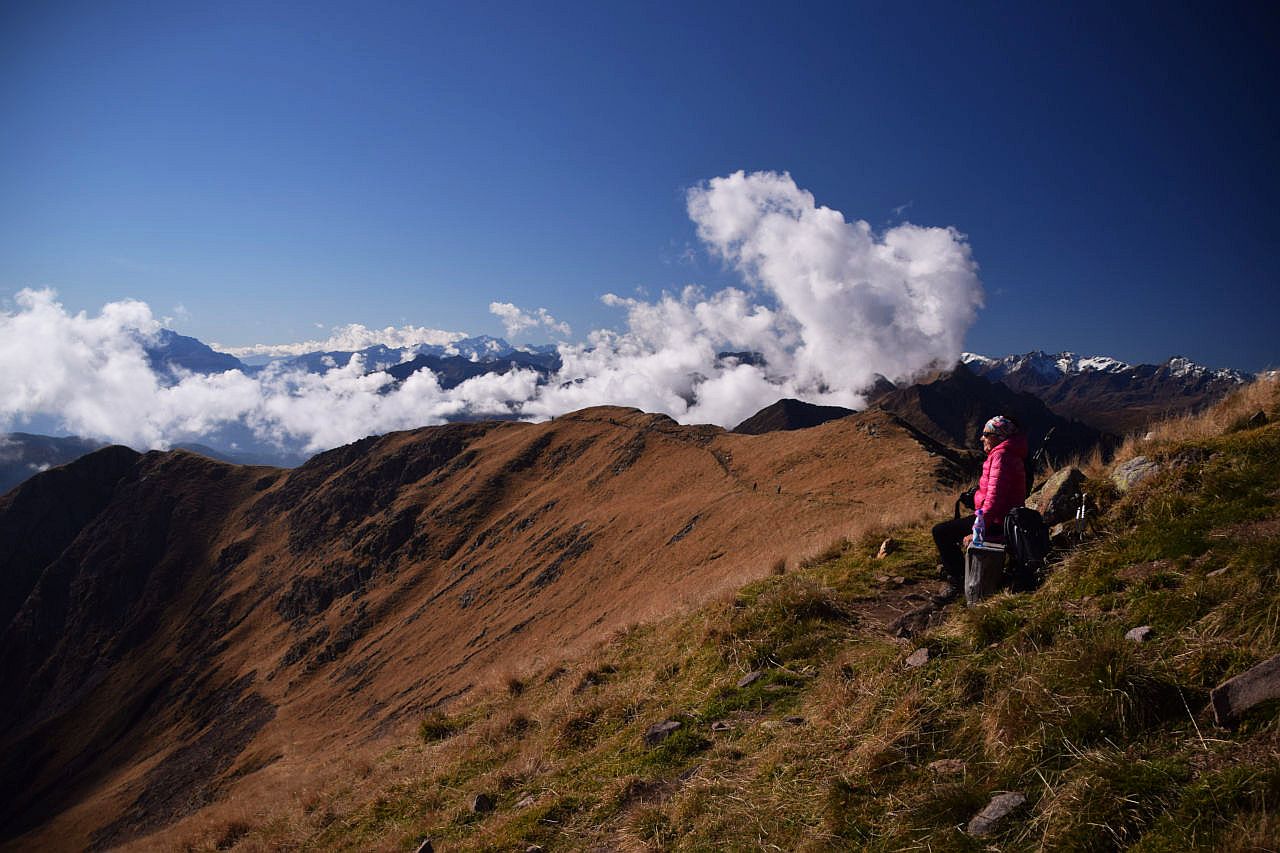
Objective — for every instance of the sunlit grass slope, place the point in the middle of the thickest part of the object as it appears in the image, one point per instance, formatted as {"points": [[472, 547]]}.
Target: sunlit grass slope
{"points": [[830, 746]]}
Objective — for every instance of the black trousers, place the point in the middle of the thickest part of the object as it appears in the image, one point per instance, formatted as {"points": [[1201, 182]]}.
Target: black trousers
{"points": [[947, 536]]}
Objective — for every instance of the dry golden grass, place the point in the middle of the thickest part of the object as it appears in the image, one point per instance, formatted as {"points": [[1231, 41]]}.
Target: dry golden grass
{"points": [[1233, 412], [1038, 693], [1262, 395]]}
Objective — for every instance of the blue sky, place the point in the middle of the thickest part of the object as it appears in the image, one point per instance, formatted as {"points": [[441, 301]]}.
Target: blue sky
{"points": [[272, 166]]}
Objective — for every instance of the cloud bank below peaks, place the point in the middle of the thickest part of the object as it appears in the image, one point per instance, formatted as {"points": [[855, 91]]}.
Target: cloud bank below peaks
{"points": [[825, 304]]}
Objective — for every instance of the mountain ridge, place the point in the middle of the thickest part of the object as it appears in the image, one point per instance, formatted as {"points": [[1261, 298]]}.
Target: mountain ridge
{"points": [[211, 613]]}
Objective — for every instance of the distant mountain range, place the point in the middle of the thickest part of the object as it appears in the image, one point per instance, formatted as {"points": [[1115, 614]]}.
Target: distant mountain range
{"points": [[1103, 392], [1106, 393], [171, 355], [1108, 396]]}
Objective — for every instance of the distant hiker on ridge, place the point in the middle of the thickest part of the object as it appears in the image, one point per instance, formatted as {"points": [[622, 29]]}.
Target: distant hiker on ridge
{"points": [[1002, 487]]}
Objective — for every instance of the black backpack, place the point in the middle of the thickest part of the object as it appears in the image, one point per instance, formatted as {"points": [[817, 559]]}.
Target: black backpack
{"points": [[1026, 540]]}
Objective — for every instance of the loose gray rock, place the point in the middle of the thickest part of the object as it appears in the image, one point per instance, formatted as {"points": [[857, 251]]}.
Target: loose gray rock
{"points": [[1140, 634], [917, 619], [1233, 697], [721, 726], [1001, 806], [1217, 573], [527, 801], [482, 804], [947, 766], [918, 658], [1258, 419], [899, 580], [659, 732], [887, 547], [793, 721], [750, 678], [1063, 534], [1056, 499], [425, 847], [1134, 471]]}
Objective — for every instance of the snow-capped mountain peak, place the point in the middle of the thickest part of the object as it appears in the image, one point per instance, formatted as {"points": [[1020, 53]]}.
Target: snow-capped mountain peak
{"points": [[1106, 392], [1185, 368], [1045, 365], [1101, 363]]}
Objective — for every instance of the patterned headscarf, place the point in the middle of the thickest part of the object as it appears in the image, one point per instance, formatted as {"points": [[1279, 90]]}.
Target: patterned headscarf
{"points": [[1000, 426]]}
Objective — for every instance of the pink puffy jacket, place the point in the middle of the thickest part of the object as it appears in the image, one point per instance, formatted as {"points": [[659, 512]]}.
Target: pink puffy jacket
{"points": [[1003, 484]]}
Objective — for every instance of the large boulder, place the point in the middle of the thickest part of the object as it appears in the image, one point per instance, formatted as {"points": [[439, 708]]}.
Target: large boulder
{"points": [[1134, 471], [1057, 499]]}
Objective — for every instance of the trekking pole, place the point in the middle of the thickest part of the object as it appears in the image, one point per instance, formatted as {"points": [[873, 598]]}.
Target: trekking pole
{"points": [[1080, 517]]}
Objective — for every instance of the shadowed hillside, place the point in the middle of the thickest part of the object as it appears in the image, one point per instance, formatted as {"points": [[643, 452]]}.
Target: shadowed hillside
{"points": [[23, 455], [953, 408], [201, 632], [844, 706], [788, 414]]}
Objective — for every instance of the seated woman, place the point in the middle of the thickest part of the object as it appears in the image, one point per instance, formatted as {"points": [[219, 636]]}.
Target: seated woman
{"points": [[1002, 487]]}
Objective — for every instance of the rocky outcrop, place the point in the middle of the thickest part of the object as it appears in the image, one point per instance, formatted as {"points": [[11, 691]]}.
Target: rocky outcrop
{"points": [[1133, 472], [1059, 497]]}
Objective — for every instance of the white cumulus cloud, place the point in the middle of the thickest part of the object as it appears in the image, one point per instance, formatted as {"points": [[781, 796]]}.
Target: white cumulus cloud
{"points": [[860, 303], [350, 338], [516, 320], [825, 304]]}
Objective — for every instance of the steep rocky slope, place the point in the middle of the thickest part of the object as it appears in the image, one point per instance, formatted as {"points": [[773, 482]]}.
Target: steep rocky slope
{"points": [[194, 632]]}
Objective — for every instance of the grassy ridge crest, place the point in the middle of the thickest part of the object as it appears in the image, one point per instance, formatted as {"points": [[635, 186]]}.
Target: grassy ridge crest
{"points": [[836, 743]]}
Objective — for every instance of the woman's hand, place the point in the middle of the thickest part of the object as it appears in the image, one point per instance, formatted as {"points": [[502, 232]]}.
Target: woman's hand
{"points": [[967, 540]]}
